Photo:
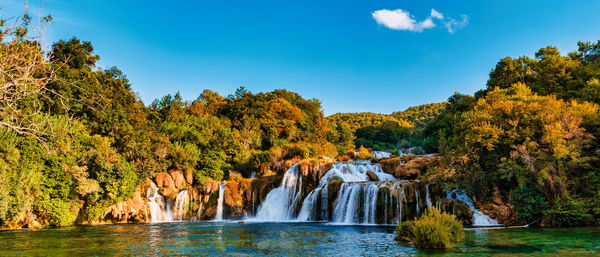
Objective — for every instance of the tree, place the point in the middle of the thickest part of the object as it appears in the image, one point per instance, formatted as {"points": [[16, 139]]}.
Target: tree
{"points": [[24, 74]]}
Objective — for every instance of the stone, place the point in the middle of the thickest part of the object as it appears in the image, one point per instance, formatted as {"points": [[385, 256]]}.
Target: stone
{"points": [[372, 176], [189, 176], [166, 184], [164, 180], [178, 179], [458, 208]]}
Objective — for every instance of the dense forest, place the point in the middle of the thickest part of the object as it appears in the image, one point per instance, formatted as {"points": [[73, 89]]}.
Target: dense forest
{"points": [[76, 139]]}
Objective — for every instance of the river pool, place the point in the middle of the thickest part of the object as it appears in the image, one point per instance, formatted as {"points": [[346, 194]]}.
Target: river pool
{"points": [[283, 239]]}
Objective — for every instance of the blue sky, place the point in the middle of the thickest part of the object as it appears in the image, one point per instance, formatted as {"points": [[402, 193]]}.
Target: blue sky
{"points": [[345, 53]]}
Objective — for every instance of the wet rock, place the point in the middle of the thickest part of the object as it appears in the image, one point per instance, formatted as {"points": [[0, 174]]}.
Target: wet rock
{"points": [[390, 165], [410, 166], [458, 208], [314, 169], [502, 212], [372, 176]]}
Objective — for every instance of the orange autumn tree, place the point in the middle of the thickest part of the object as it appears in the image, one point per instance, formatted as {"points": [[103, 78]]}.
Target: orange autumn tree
{"points": [[514, 137]]}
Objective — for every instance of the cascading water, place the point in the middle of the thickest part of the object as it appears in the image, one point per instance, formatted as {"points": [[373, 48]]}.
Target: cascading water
{"points": [[357, 197], [160, 208], [428, 197], [253, 209], [198, 213], [182, 203], [281, 203], [479, 219], [381, 154], [219, 215]]}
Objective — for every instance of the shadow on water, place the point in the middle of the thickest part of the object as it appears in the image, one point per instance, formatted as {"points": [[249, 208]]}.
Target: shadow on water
{"points": [[518, 248]]}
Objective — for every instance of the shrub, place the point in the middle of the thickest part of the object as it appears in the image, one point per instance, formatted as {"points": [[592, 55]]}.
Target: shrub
{"points": [[567, 212], [528, 203], [300, 149], [364, 154], [434, 230]]}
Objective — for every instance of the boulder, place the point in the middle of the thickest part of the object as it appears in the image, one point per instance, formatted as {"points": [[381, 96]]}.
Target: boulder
{"points": [[189, 176], [178, 179], [410, 167], [458, 208], [372, 176], [165, 182]]}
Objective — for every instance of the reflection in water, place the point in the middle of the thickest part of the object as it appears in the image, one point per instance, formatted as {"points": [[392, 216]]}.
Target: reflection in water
{"points": [[282, 239]]}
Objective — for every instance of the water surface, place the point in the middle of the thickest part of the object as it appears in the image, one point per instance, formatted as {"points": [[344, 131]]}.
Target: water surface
{"points": [[284, 239]]}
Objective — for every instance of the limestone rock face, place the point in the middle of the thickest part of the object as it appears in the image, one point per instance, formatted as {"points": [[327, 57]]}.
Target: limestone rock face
{"points": [[131, 210], [503, 213], [458, 208], [237, 192], [178, 179], [410, 166], [189, 176], [497, 207], [313, 170], [165, 182]]}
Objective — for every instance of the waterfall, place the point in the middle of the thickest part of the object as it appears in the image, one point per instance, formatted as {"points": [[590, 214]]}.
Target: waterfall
{"points": [[281, 203], [351, 208], [253, 210], [198, 213], [381, 154], [427, 196], [357, 198], [399, 205], [160, 208], [182, 203], [219, 215], [417, 200], [479, 219]]}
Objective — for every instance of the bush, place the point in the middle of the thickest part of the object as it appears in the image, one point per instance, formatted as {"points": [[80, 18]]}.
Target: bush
{"points": [[567, 212], [300, 149], [364, 154], [528, 203], [434, 230]]}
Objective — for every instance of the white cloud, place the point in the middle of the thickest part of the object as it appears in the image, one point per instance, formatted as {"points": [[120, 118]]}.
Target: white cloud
{"points": [[402, 20], [396, 19], [452, 25], [436, 14]]}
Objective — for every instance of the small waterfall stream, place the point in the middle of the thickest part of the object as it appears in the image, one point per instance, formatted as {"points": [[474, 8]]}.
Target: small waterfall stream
{"points": [[381, 154], [479, 219], [160, 207], [281, 203], [219, 215], [182, 203], [427, 196]]}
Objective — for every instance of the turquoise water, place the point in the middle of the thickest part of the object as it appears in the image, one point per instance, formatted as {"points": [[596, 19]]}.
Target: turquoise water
{"points": [[283, 239]]}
